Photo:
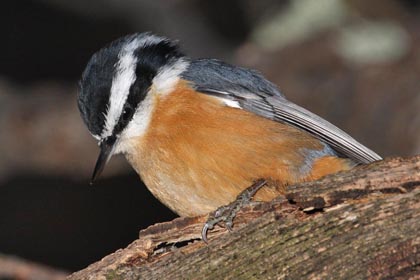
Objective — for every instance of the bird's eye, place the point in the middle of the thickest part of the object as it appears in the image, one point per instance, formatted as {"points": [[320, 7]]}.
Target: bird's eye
{"points": [[127, 112]]}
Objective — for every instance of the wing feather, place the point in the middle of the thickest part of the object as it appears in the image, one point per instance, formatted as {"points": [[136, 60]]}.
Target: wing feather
{"points": [[257, 95]]}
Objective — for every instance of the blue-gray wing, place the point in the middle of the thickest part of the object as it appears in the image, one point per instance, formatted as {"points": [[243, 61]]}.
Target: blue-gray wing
{"points": [[252, 92]]}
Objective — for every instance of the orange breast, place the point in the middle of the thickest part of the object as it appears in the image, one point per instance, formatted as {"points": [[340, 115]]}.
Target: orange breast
{"points": [[198, 154]]}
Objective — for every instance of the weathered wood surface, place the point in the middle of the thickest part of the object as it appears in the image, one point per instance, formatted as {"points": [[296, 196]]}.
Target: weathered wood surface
{"points": [[359, 224]]}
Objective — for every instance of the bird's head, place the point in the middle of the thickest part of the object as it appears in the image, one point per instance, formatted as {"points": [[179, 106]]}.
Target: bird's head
{"points": [[115, 96]]}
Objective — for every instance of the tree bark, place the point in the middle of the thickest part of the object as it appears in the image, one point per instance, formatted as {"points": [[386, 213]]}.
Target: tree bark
{"points": [[359, 224]]}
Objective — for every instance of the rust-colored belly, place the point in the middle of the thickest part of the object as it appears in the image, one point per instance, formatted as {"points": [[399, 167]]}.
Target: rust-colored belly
{"points": [[198, 154]]}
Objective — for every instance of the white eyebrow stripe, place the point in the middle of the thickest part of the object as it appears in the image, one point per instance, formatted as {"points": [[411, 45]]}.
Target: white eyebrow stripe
{"points": [[125, 76], [121, 83]]}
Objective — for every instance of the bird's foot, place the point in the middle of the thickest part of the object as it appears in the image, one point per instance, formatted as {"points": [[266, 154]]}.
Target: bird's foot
{"points": [[225, 214]]}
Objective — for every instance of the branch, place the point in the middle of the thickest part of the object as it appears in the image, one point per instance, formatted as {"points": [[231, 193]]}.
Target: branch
{"points": [[363, 223]]}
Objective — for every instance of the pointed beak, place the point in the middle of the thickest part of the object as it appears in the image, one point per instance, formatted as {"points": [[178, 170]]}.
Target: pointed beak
{"points": [[107, 148]]}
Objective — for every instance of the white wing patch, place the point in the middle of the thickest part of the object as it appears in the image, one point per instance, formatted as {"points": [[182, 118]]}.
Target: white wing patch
{"points": [[231, 103]]}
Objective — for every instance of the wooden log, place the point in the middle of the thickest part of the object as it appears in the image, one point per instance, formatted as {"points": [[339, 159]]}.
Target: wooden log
{"points": [[359, 224]]}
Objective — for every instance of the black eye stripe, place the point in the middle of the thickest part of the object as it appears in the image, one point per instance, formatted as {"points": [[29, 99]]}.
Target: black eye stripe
{"points": [[150, 59], [137, 94], [96, 82], [127, 113]]}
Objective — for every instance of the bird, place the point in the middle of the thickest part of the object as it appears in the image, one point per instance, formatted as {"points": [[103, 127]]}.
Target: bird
{"points": [[200, 131]]}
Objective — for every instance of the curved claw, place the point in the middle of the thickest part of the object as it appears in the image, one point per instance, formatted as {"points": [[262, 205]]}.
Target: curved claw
{"points": [[227, 213], [229, 226], [206, 227]]}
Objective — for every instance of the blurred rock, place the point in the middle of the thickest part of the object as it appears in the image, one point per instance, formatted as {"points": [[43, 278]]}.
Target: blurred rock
{"points": [[370, 42], [300, 20], [13, 268]]}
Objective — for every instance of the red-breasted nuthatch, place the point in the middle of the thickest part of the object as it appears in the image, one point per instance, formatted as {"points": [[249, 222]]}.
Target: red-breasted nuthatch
{"points": [[199, 131]]}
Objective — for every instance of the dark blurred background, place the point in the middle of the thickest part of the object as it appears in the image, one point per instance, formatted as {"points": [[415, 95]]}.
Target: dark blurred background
{"points": [[355, 63]]}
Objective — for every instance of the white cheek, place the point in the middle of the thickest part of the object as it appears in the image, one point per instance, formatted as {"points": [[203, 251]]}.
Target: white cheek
{"points": [[138, 126], [167, 77], [164, 83], [121, 83]]}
